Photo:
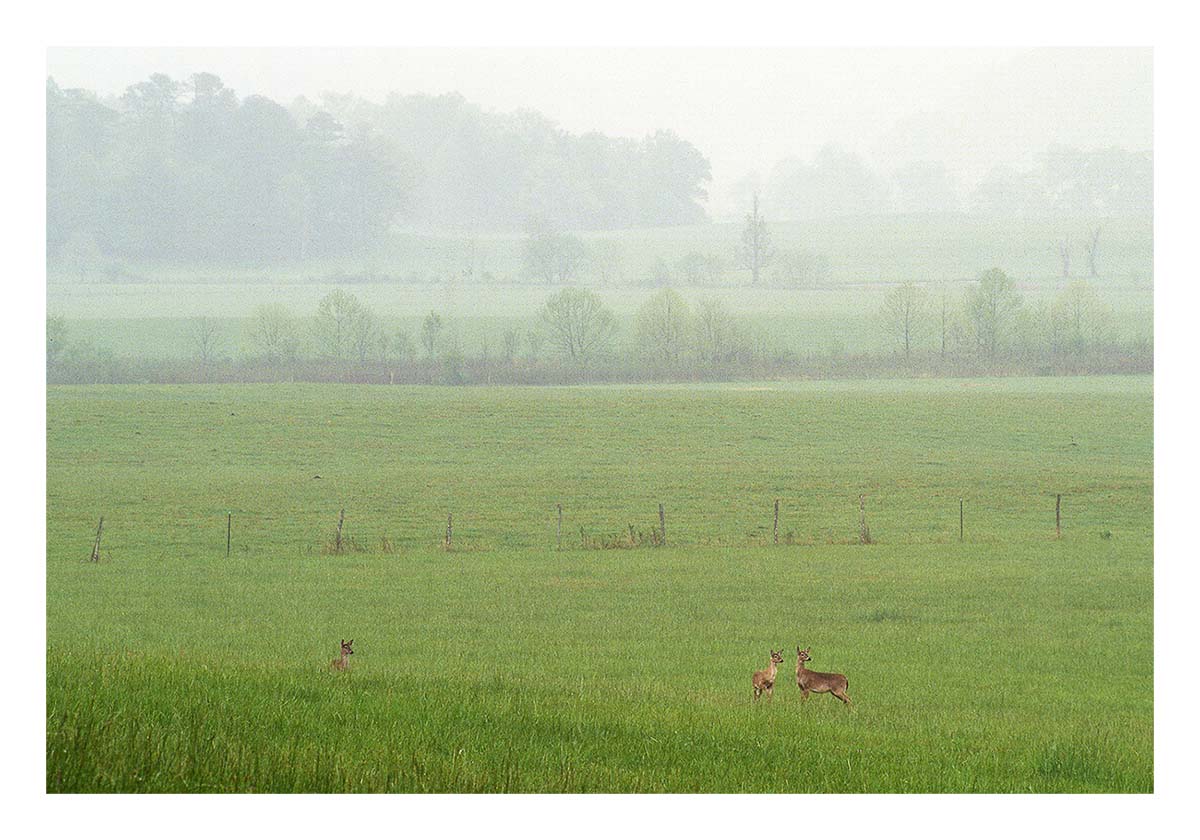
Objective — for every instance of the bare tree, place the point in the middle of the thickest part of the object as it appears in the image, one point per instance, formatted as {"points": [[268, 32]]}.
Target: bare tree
{"points": [[1064, 255], [578, 323], [1079, 319], [334, 327], [273, 333], [1092, 246], [535, 339], [716, 337], [945, 319], [431, 328], [605, 259], [662, 327], [755, 252], [904, 313], [204, 334], [56, 337], [367, 336], [512, 340]]}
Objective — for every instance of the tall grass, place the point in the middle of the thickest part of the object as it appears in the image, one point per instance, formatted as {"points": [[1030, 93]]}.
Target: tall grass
{"points": [[508, 665]]}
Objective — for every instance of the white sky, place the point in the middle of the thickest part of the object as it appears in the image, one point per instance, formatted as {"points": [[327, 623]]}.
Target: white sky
{"points": [[744, 108]]}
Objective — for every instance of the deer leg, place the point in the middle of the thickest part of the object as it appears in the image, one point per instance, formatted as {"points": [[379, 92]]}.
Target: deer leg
{"points": [[841, 695], [804, 694]]}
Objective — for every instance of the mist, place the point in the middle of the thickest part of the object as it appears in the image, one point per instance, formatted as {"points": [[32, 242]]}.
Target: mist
{"points": [[784, 204]]}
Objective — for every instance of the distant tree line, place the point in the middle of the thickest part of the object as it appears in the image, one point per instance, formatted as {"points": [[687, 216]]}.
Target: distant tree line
{"points": [[1063, 182], [986, 329], [187, 170]]}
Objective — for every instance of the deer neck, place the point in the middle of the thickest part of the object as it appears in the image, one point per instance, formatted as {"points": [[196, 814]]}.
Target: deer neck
{"points": [[800, 669], [772, 667], [345, 659]]}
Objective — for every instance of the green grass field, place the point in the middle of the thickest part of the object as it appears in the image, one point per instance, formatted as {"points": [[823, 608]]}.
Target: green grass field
{"points": [[1012, 661], [149, 318]]}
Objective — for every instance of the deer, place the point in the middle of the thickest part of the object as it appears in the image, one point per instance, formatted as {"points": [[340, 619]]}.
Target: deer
{"points": [[765, 680], [806, 680], [342, 663]]}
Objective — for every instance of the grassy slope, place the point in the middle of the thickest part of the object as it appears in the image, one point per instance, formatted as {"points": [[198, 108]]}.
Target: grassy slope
{"points": [[981, 666]]}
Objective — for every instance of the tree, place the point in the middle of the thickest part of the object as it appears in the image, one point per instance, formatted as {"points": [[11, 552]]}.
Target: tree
{"points": [[1092, 246], [1079, 319], [338, 317], [402, 348], [553, 257], [273, 333], [1064, 255], [578, 324], [716, 335], [56, 339], [663, 327], [431, 328], [755, 252], [512, 341], [991, 305], [797, 267], [205, 338], [904, 313], [605, 258], [535, 339], [367, 336]]}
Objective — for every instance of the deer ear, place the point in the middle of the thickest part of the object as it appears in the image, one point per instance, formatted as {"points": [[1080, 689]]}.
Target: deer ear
{"points": [[797, 650], [351, 641]]}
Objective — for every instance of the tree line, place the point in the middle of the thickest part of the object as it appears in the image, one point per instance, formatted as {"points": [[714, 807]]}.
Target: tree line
{"points": [[188, 170], [986, 328], [1062, 182]]}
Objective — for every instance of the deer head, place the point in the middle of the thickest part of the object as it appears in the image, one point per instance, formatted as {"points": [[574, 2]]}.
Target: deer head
{"points": [[346, 651], [777, 657], [802, 655]]}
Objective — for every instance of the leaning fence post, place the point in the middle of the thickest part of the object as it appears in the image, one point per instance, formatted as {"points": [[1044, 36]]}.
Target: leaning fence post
{"points": [[560, 527], [449, 530], [228, 532], [960, 520], [775, 530], [662, 523], [337, 540], [96, 548], [1058, 516]]}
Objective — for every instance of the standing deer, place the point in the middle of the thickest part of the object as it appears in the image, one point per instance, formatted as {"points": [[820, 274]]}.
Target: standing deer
{"points": [[835, 684], [342, 662], [765, 680]]}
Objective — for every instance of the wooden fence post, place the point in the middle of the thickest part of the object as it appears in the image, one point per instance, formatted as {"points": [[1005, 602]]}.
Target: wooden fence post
{"points": [[449, 530], [96, 548], [662, 523], [864, 533], [775, 530], [228, 533], [1058, 516], [337, 540], [560, 527], [960, 520]]}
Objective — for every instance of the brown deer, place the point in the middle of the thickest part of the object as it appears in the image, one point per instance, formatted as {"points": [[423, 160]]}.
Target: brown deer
{"points": [[835, 684], [342, 663], [765, 680]]}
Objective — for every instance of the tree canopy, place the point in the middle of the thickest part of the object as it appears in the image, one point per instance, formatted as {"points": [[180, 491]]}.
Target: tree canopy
{"points": [[188, 170]]}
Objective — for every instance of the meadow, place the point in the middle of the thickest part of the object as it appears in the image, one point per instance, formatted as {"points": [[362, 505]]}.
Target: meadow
{"points": [[479, 283], [1012, 660]]}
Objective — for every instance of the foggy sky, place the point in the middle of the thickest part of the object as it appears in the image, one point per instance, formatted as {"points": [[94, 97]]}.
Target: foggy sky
{"points": [[745, 109]]}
